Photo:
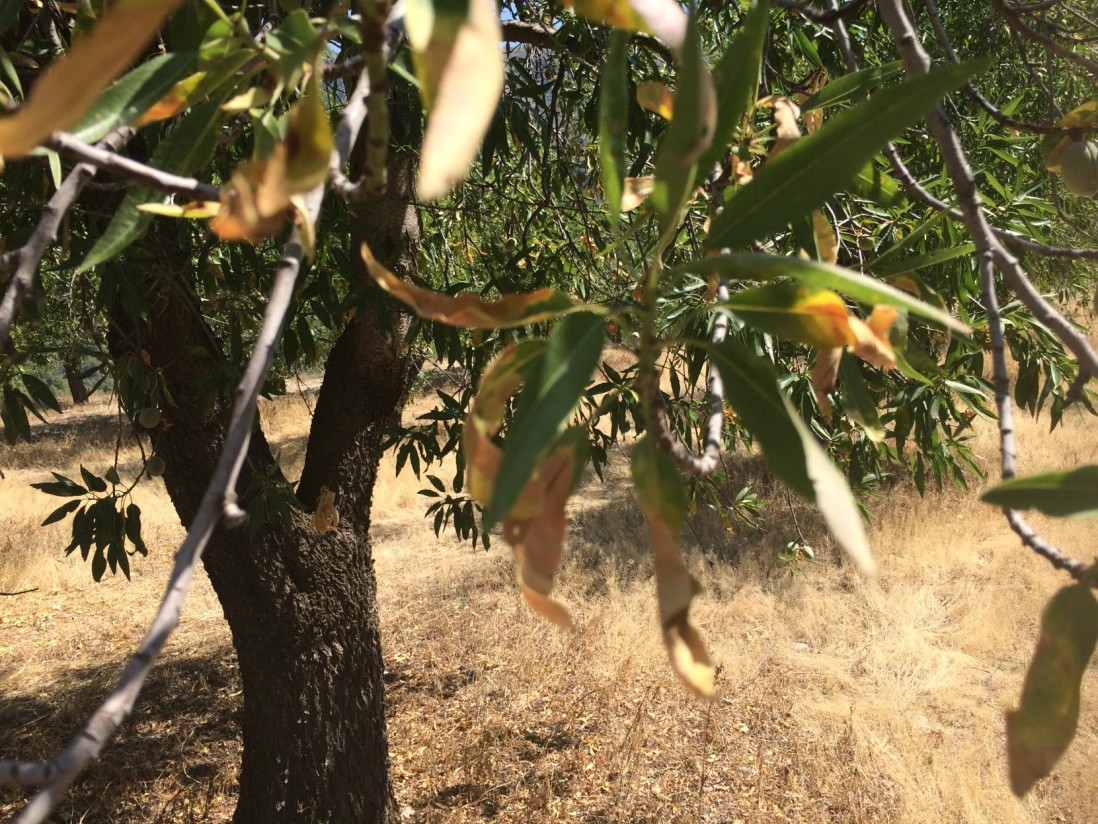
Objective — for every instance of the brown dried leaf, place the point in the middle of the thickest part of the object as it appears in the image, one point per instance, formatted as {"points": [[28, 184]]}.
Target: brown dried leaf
{"points": [[471, 311], [786, 113], [635, 191], [825, 374], [656, 98], [870, 337]]}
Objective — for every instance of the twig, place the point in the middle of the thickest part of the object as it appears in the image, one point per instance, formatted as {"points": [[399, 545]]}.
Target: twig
{"points": [[1014, 21], [218, 502], [991, 254], [19, 592], [110, 161], [706, 462], [29, 255]]}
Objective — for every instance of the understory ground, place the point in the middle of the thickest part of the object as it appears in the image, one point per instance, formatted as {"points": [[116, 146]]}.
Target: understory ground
{"points": [[840, 698]]}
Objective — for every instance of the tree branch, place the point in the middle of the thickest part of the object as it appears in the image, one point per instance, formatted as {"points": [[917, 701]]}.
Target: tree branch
{"points": [[991, 254], [836, 12], [28, 257]]}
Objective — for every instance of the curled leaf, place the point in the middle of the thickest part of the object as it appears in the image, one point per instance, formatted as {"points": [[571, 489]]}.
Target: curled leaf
{"points": [[663, 500], [535, 524], [656, 98], [825, 374], [74, 82], [663, 18], [786, 129], [1040, 730], [472, 311], [636, 191], [255, 203], [870, 340], [182, 95]]}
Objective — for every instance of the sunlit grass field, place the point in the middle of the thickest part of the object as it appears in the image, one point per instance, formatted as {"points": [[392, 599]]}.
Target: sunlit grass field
{"points": [[840, 699]]}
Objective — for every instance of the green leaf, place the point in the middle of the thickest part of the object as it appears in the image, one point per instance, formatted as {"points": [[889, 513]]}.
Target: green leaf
{"points": [[133, 95], [9, 13], [545, 405], [816, 317], [15, 420], [689, 134], [852, 86], [801, 178], [1061, 494], [922, 261], [99, 564], [1040, 730], [659, 486], [791, 451], [61, 512], [40, 391], [857, 400], [613, 114], [736, 81], [877, 186], [10, 72], [751, 266], [186, 148], [93, 482]]}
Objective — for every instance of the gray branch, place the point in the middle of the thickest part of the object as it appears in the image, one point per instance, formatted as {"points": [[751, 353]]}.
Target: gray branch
{"points": [[991, 255]]}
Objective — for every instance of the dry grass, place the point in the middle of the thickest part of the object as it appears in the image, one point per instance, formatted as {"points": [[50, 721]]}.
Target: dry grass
{"points": [[840, 699]]}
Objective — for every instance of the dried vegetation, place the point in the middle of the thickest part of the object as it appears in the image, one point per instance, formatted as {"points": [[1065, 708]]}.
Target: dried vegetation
{"points": [[840, 699]]}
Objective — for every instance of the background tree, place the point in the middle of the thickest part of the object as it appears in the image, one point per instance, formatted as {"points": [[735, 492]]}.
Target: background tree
{"points": [[712, 226]]}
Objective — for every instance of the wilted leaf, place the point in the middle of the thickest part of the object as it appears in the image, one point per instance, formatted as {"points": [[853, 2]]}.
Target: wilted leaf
{"points": [[308, 140], [195, 210], [663, 18], [132, 96], [753, 266], [460, 67], [178, 99], [255, 203], [656, 98], [472, 311], [1041, 729], [663, 500], [72, 83], [818, 317], [534, 527], [825, 375], [546, 405], [254, 97], [871, 339], [827, 244], [786, 129], [790, 448], [636, 191], [1061, 494]]}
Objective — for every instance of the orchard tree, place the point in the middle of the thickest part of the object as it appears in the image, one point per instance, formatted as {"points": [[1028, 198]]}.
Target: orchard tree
{"points": [[203, 197]]}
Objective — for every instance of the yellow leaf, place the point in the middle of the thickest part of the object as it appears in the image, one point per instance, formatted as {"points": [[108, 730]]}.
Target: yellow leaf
{"points": [[250, 99], [663, 501], [656, 98], [75, 81], [827, 245], [308, 140], [535, 525], [869, 338], [254, 205], [635, 191], [175, 101], [663, 18], [461, 75], [471, 311], [786, 113], [198, 209]]}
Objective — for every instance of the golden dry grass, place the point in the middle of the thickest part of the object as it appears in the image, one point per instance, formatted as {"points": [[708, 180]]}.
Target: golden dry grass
{"points": [[840, 699]]}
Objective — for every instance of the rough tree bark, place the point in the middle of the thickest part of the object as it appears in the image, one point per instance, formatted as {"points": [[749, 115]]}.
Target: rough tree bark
{"points": [[301, 605]]}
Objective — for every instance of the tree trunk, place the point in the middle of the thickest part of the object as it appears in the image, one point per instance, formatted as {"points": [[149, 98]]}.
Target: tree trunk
{"points": [[301, 605], [75, 379]]}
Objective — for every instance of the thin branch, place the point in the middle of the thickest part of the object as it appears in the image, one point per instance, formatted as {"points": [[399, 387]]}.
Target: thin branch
{"points": [[974, 93], [218, 503], [18, 591], [1014, 21], [704, 463], [29, 255], [991, 254], [110, 161]]}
